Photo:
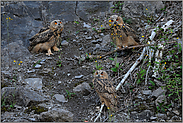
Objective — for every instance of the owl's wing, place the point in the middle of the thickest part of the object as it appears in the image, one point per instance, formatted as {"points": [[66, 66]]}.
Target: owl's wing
{"points": [[103, 86], [41, 37], [129, 31]]}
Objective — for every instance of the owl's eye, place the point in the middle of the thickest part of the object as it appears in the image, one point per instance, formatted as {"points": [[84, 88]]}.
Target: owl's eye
{"points": [[60, 22], [102, 73], [111, 20], [116, 19], [55, 23], [96, 73]]}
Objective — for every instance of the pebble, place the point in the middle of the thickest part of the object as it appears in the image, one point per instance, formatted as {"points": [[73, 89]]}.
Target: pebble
{"points": [[88, 38], [86, 25], [147, 92], [64, 43], [60, 98], [68, 74], [59, 82], [79, 77], [38, 66], [31, 71]]}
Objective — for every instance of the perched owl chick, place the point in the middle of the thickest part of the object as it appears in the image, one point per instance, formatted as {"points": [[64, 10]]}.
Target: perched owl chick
{"points": [[105, 89], [121, 34], [47, 38]]}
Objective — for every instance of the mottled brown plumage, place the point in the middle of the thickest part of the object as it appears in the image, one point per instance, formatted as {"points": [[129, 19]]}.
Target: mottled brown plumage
{"points": [[47, 38], [105, 89], [121, 33]]}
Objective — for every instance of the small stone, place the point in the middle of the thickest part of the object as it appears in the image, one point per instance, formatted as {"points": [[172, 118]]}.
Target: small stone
{"points": [[163, 116], [59, 82], [158, 92], [153, 118], [64, 43], [79, 77], [85, 33], [88, 38], [101, 34], [83, 88], [35, 83], [176, 112], [60, 98], [147, 92], [86, 25], [68, 74], [96, 41], [31, 71], [38, 66], [161, 99]]}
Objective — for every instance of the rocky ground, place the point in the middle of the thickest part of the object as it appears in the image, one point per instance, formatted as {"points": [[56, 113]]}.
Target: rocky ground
{"points": [[35, 87]]}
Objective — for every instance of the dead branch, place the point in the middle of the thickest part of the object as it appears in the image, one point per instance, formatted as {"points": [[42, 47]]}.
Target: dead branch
{"points": [[132, 47]]}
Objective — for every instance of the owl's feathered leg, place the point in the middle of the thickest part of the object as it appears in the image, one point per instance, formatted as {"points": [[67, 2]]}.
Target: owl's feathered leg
{"points": [[55, 48], [99, 112], [49, 52]]}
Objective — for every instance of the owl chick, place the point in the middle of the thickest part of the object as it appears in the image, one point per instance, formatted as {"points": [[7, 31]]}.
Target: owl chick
{"points": [[105, 89], [121, 34], [47, 38]]}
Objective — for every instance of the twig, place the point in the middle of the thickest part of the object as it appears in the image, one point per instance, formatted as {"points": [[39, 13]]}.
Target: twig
{"points": [[131, 69], [111, 52], [99, 112]]}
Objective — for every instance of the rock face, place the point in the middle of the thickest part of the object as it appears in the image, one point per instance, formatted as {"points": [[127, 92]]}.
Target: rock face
{"points": [[86, 8], [56, 115], [131, 9], [14, 51]]}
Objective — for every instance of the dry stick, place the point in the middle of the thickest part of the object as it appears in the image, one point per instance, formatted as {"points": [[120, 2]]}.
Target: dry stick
{"points": [[134, 65], [111, 52], [99, 112]]}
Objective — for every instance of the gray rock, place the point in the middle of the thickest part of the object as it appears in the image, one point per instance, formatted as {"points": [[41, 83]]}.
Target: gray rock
{"points": [[153, 118], [83, 89], [96, 41], [161, 99], [106, 40], [158, 92], [88, 38], [22, 96], [31, 71], [60, 98], [38, 66], [56, 115], [162, 116], [146, 114], [79, 77], [86, 25], [35, 83], [147, 92], [64, 43], [176, 112]]}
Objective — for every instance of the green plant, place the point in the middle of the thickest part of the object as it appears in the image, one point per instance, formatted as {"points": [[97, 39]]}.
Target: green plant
{"points": [[117, 6], [117, 66], [162, 107], [37, 63], [59, 63], [69, 94], [98, 67], [76, 22], [141, 75]]}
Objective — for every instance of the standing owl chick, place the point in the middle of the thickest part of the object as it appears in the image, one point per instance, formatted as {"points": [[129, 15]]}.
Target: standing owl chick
{"points": [[121, 34], [47, 38], [105, 89]]}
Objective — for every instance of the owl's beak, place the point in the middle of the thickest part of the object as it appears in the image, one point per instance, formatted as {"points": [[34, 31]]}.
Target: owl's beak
{"points": [[98, 76], [115, 22]]}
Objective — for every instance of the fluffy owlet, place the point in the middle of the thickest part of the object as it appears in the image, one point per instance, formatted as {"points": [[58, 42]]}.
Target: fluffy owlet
{"points": [[105, 89], [121, 34], [47, 38]]}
